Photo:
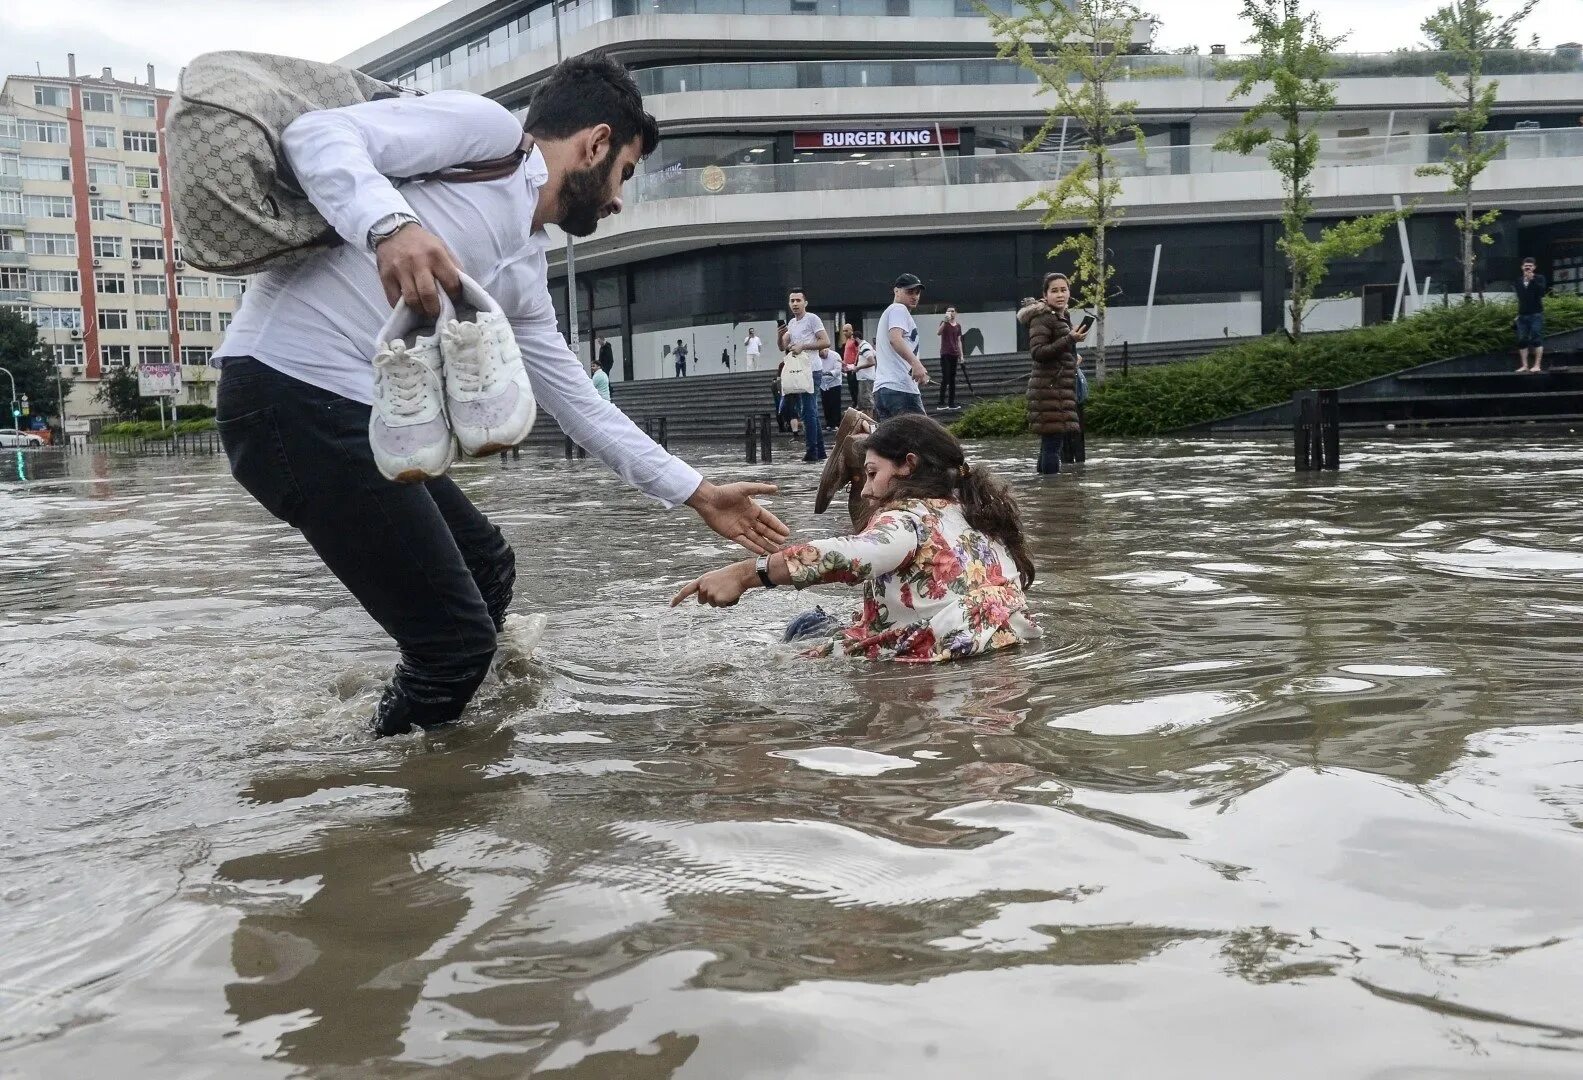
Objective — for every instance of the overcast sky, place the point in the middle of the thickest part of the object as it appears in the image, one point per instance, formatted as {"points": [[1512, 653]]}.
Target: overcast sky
{"points": [[127, 35]]}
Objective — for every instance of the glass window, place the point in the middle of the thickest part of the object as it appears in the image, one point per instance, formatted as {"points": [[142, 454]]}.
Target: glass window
{"points": [[140, 177], [191, 285], [13, 278], [137, 106], [115, 355], [107, 247], [225, 321], [59, 318], [153, 354], [104, 172], [97, 101], [50, 206], [146, 213], [11, 202], [51, 243], [65, 281], [109, 283], [69, 354], [152, 250], [104, 210], [229, 287], [8, 127], [45, 168], [10, 165], [196, 322], [148, 284], [42, 131], [99, 138], [158, 321], [52, 97], [144, 142], [196, 355], [10, 242], [113, 319]]}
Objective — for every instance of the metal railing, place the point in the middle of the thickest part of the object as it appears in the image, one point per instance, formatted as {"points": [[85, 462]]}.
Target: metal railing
{"points": [[931, 170]]}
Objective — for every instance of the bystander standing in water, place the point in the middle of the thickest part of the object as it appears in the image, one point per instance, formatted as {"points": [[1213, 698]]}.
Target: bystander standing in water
{"points": [[1052, 387]]}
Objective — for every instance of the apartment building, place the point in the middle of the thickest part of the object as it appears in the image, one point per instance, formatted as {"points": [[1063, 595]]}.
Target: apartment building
{"points": [[88, 248]]}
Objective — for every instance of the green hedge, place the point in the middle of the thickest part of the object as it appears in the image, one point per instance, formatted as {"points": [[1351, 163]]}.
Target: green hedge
{"points": [[147, 429], [186, 412], [1268, 371], [996, 419]]}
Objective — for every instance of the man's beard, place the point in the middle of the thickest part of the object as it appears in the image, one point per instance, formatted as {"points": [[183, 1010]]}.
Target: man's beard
{"points": [[583, 197]]}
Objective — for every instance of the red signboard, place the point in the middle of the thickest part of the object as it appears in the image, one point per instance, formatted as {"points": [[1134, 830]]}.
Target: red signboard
{"points": [[907, 138]]}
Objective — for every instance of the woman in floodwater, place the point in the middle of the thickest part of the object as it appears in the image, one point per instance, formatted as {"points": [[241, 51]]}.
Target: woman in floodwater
{"points": [[942, 560]]}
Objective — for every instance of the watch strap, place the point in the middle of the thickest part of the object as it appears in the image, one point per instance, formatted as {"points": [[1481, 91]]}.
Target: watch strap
{"points": [[763, 568]]}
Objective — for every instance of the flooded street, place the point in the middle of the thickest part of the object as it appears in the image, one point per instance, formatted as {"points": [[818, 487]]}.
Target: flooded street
{"points": [[1292, 787]]}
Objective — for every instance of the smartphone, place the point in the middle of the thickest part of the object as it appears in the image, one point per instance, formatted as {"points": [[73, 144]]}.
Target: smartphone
{"points": [[1088, 321]]}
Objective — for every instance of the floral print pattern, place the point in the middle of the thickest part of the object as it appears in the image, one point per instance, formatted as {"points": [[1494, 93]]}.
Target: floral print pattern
{"points": [[934, 588]]}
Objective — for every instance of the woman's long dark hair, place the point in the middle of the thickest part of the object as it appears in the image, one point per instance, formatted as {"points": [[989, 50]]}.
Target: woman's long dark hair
{"points": [[943, 473]]}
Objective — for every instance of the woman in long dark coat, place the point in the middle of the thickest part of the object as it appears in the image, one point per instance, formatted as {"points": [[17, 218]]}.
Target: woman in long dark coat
{"points": [[1052, 386]]}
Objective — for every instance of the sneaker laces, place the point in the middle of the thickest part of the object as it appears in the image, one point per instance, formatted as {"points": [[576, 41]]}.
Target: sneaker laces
{"points": [[401, 383], [464, 367]]}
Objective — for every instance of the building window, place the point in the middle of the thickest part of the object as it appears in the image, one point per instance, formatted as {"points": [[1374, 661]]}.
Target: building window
{"points": [[52, 97], [229, 287], [65, 281], [143, 142], [112, 319], [107, 284], [152, 250], [69, 354], [11, 203], [148, 284], [45, 168], [57, 318], [99, 138], [140, 177], [107, 247], [155, 321], [97, 101], [50, 206], [146, 213], [137, 106], [13, 278], [196, 355], [153, 354], [47, 243], [195, 322], [10, 242], [225, 321], [104, 172], [115, 355], [192, 286], [10, 165], [104, 210], [44, 131]]}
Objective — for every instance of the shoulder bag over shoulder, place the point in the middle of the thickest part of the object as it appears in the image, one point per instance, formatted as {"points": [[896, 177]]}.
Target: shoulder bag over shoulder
{"points": [[238, 208]]}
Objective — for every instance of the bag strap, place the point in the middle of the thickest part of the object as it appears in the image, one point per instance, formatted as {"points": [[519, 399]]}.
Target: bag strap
{"points": [[478, 172]]}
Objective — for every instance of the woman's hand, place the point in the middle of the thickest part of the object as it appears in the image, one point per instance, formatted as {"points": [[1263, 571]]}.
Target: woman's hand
{"points": [[723, 587], [1079, 332]]}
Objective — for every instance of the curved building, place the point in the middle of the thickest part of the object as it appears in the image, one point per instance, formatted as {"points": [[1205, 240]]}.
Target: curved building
{"points": [[832, 144]]}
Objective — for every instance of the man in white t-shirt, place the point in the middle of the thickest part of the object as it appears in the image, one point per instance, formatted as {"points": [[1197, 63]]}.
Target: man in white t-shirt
{"points": [[900, 377], [802, 338], [752, 346]]}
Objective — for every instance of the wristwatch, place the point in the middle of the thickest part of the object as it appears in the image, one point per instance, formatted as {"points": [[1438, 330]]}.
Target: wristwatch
{"points": [[763, 568], [388, 226]]}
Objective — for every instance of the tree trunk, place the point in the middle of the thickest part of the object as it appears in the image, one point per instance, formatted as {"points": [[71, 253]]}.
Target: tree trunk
{"points": [[1467, 210], [1100, 297]]}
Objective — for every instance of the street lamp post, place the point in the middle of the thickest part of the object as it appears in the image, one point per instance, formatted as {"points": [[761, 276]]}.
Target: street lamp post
{"points": [[15, 413]]}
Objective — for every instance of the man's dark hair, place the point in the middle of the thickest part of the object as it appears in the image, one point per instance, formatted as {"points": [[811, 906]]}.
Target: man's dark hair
{"points": [[798, 291], [587, 90], [1530, 259]]}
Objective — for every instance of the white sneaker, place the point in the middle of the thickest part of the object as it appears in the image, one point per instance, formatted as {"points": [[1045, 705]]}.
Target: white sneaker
{"points": [[487, 392], [408, 430]]}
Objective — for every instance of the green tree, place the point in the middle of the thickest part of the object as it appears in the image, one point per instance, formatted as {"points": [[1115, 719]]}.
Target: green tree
{"points": [[1076, 50], [1465, 30], [118, 392], [1292, 58], [25, 354]]}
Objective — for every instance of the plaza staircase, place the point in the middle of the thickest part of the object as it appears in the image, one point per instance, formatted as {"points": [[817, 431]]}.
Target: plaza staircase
{"points": [[717, 406], [1480, 392]]}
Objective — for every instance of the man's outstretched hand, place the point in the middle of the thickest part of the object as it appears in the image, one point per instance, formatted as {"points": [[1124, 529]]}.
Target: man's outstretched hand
{"points": [[730, 510]]}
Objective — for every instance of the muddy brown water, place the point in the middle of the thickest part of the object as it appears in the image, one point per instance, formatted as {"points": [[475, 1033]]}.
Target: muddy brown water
{"points": [[1293, 787]]}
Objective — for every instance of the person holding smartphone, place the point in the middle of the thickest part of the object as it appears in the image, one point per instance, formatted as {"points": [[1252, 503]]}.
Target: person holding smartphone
{"points": [[1052, 387]]}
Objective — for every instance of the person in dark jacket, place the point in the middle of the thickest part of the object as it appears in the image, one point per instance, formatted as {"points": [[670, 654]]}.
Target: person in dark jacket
{"points": [[1531, 288], [1052, 386]]}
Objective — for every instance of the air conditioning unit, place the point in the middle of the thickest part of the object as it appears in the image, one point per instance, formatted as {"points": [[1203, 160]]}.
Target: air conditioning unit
{"points": [[71, 371], [181, 264], [76, 335], [136, 263], [142, 193], [93, 189], [98, 263]]}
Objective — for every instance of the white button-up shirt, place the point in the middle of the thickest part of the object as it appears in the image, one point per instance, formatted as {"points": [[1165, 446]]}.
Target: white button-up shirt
{"points": [[318, 319]]}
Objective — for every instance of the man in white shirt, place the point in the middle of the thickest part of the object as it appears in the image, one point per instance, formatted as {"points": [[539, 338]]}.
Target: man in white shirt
{"points": [[804, 333], [752, 345], [900, 376], [297, 379]]}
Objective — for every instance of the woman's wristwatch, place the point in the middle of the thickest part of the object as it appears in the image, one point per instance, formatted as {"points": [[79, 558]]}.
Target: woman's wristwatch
{"points": [[763, 568]]}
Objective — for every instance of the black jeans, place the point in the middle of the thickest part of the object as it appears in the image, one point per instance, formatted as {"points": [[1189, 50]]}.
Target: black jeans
{"points": [[948, 379], [420, 558], [1050, 450], [831, 400]]}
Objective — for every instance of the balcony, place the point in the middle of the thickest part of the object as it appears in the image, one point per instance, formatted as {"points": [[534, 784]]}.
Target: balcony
{"points": [[10, 142], [13, 258], [13, 221], [10, 183], [15, 296]]}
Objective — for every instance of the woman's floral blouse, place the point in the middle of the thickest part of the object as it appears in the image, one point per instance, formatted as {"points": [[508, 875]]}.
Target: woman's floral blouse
{"points": [[933, 587]]}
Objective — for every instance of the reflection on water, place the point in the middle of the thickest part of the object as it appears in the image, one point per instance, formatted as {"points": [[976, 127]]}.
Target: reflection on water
{"points": [[1293, 786]]}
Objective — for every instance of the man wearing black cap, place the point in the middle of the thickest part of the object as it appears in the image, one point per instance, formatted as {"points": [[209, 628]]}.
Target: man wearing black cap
{"points": [[900, 378]]}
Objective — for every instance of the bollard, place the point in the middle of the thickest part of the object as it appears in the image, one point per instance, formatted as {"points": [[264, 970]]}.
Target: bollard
{"points": [[571, 448], [1306, 453], [766, 440], [1330, 428], [752, 448]]}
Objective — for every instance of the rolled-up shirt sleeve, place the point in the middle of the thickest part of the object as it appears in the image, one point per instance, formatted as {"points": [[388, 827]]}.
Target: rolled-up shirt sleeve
{"points": [[593, 423]]}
